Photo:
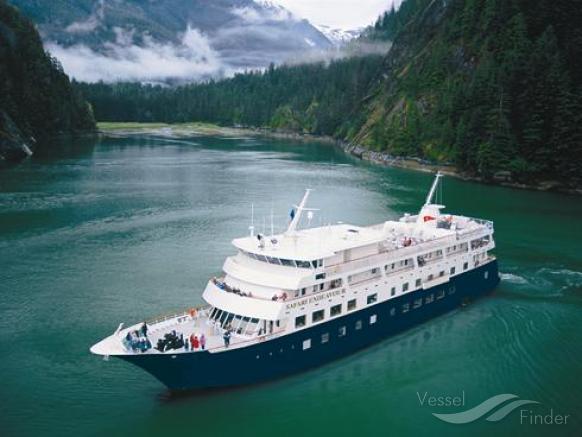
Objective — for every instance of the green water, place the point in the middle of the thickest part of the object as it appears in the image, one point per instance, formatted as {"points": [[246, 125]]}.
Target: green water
{"points": [[93, 234]]}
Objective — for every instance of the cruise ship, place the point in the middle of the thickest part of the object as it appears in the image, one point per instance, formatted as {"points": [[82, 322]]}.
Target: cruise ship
{"points": [[289, 302]]}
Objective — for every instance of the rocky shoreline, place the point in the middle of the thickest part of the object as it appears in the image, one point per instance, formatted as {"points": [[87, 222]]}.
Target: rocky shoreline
{"points": [[501, 178]]}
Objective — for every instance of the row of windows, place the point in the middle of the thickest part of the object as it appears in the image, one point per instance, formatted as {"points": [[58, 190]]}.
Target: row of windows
{"points": [[417, 303], [336, 310], [323, 286], [398, 265], [341, 332], [241, 325], [285, 262]]}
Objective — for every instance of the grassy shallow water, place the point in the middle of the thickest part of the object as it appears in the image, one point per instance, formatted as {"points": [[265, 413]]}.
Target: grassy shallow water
{"points": [[130, 226]]}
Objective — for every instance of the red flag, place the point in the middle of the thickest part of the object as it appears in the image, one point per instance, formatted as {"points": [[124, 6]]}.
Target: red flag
{"points": [[428, 218]]}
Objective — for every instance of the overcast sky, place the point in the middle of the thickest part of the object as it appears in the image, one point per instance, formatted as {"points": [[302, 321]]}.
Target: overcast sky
{"points": [[342, 14]]}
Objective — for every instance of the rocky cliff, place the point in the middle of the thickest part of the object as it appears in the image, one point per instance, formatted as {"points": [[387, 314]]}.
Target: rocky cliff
{"points": [[37, 99]]}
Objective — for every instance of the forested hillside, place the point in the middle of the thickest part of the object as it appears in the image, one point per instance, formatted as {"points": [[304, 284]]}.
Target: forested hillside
{"points": [[36, 97], [314, 98], [489, 84], [493, 86]]}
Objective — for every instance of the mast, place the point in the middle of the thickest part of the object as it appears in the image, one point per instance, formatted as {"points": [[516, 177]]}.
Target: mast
{"points": [[297, 216], [432, 191], [252, 226]]}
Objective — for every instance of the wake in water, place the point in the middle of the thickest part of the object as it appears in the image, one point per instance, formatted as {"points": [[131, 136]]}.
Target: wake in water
{"points": [[513, 278], [545, 281]]}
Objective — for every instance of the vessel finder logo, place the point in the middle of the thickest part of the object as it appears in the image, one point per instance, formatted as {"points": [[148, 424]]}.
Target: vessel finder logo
{"points": [[486, 407], [494, 409]]}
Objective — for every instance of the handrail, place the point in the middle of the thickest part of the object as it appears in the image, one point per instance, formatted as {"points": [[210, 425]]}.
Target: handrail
{"points": [[228, 289], [159, 319]]}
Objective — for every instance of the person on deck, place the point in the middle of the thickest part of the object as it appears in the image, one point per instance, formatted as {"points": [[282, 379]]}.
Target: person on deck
{"points": [[203, 341], [195, 343], [144, 330], [226, 338]]}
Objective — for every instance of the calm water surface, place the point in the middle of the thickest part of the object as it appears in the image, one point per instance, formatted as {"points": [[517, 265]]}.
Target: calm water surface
{"points": [[98, 233]]}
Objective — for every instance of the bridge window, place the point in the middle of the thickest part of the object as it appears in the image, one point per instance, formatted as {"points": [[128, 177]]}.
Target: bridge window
{"points": [[303, 264], [288, 262], [465, 266], [317, 316], [351, 304], [335, 310], [405, 287], [373, 298], [299, 321], [392, 291], [252, 326], [418, 283], [452, 271]]}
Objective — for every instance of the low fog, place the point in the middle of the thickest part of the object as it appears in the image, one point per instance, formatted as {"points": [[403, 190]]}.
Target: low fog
{"points": [[253, 39]]}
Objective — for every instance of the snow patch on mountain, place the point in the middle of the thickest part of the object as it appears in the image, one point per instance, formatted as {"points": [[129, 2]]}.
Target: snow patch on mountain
{"points": [[338, 37]]}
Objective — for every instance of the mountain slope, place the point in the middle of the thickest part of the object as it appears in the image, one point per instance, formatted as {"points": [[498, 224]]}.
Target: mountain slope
{"points": [[492, 85], [162, 40], [36, 97]]}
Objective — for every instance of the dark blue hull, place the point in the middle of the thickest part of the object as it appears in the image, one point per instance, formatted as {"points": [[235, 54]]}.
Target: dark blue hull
{"points": [[285, 355]]}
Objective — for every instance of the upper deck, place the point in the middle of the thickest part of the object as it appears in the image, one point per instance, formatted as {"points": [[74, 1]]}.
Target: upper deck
{"points": [[305, 248]]}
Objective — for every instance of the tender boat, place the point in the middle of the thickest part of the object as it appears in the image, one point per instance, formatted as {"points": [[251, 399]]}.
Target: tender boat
{"points": [[290, 302]]}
